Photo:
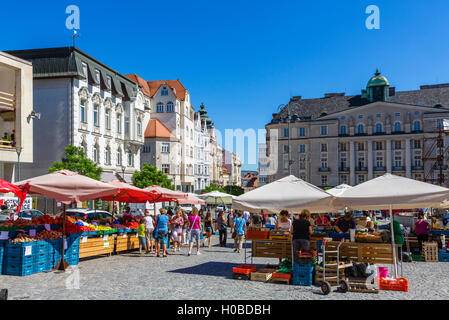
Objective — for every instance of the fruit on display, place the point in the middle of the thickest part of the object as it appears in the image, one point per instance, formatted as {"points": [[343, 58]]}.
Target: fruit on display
{"points": [[132, 225], [22, 237], [75, 228], [46, 219], [120, 226], [50, 235]]}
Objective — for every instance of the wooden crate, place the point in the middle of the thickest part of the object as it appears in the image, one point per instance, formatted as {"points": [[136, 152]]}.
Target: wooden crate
{"points": [[280, 280], [356, 285], [377, 253], [97, 246], [261, 276], [430, 251], [271, 249], [130, 242]]}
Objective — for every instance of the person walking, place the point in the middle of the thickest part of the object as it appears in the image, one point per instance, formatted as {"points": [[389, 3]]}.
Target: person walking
{"points": [[161, 232], [239, 232], [185, 227], [222, 229], [247, 217], [177, 223], [301, 231], [194, 230], [209, 228], [149, 228], [141, 235]]}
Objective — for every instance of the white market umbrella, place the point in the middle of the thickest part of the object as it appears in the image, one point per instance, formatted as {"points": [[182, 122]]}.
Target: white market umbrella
{"points": [[289, 193], [391, 192], [338, 189], [216, 198]]}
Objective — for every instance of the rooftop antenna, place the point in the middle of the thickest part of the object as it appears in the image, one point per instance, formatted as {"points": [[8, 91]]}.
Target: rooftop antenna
{"points": [[75, 34]]}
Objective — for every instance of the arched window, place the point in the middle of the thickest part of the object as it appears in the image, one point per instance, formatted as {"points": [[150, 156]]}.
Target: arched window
{"points": [[360, 129], [107, 156], [170, 107], [397, 127], [119, 157], [130, 158], [160, 107], [84, 147], [83, 112], [343, 130], [107, 119], [96, 122], [417, 126], [119, 123], [379, 128], [96, 153]]}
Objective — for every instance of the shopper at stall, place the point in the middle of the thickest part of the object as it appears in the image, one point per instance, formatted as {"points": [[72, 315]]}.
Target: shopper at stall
{"points": [[177, 222], [257, 219], [141, 235], [149, 228], [345, 223], [239, 232], [161, 233], [222, 230], [301, 231], [283, 223], [322, 220], [247, 217], [194, 230], [271, 220], [421, 229], [435, 224]]}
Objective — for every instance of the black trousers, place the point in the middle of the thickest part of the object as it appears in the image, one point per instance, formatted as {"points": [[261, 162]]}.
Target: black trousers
{"points": [[223, 234], [421, 239]]}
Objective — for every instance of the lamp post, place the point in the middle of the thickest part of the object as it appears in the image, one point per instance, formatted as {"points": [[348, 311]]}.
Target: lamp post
{"points": [[123, 173], [288, 124], [19, 151]]}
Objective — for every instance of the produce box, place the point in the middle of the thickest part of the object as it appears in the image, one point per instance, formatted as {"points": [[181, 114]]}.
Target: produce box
{"points": [[417, 257], [2, 249], [253, 234], [97, 246], [261, 276], [400, 284], [335, 235], [302, 279], [19, 270]]}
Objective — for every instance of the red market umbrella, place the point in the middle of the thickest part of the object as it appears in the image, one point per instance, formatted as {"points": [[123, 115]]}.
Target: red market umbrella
{"points": [[159, 194], [6, 187], [128, 193], [67, 187], [192, 199]]}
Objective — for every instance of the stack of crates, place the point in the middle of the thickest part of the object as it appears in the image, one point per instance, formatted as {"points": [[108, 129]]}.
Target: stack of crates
{"points": [[443, 255], [71, 252], [302, 274], [42, 256], [54, 246], [2, 251], [19, 258]]}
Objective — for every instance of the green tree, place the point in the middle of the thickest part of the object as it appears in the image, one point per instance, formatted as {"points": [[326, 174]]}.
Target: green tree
{"points": [[75, 160], [150, 176], [234, 190], [212, 187]]}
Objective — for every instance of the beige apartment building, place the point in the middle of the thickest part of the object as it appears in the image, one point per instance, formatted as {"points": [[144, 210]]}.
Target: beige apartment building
{"points": [[16, 115], [340, 139]]}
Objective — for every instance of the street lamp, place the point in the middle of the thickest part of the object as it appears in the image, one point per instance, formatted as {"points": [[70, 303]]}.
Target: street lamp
{"points": [[288, 123], [19, 151], [123, 173]]}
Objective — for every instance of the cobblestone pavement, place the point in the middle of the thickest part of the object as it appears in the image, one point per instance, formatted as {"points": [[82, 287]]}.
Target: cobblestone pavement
{"points": [[130, 276]]}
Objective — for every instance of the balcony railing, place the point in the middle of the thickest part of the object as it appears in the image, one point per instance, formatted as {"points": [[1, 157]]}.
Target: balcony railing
{"points": [[437, 167], [398, 168], [377, 169], [361, 169], [417, 168], [324, 169], [343, 169]]}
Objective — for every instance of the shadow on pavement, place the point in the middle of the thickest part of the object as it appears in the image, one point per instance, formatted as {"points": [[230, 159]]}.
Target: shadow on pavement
{"points": [[218, 269]]}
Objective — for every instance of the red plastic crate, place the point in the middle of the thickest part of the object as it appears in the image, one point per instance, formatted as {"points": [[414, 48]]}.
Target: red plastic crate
{"points": [[256, 235], [307, 253], [399, 284], [244, 269], [282, 275]]}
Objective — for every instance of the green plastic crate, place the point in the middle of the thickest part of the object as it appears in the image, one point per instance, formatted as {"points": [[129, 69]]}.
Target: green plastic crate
{"points": [[417, 257]]}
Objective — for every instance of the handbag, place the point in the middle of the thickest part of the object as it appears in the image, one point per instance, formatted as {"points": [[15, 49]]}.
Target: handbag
{"points": [[191, 227], [234, 234]]}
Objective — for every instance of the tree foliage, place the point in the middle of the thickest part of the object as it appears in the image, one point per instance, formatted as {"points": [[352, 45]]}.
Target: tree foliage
{"points": [[75, 160], [150, 176], [234, 190], [212, 187]]}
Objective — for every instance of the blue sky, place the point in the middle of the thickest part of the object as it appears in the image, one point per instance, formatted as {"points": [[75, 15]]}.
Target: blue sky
{"points": [[244, 59]]}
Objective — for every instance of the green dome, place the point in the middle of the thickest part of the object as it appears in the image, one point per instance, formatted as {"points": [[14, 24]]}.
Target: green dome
{"points": [[377, 80], [203, 115]]}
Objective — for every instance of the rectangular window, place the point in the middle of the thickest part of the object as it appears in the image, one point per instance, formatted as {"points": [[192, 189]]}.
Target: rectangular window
{"points": [[418, 161], [286, 132], [361, 178], [398, 161], [344, 179], [323, 181], [379, 145], [324, 130], [109, 81], [83, 112], [96, 115], [119, 158], [119, 123], [166, 168], [342, 147], [324, 163], [285, 149], [361, 162], [107, 119], [323, 147], [397, 114], [97, 75], [302, 148], [417, 144], [379, 162], [302, 132], [361, 146], [85, 70], [165, 147], [108, 156], [397, 145], [164, 91]]}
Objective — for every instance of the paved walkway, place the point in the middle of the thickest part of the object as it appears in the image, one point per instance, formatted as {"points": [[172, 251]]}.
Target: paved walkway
{"points": [[207, 276]]}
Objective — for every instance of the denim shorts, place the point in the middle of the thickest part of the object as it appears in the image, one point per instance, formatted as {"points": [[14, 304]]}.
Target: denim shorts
{"points": [[195, 233], [142, 241]]}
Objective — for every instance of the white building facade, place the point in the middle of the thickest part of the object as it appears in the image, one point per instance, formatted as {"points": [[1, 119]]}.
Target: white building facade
{"points": [[202, 150]]}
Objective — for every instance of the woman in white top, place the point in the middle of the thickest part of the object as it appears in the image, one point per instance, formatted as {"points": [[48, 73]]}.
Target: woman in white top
{"points": [[283, 223]]}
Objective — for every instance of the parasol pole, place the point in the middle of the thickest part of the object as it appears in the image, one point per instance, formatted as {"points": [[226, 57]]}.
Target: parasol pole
{"points": [[62, 264], [393, 245]]}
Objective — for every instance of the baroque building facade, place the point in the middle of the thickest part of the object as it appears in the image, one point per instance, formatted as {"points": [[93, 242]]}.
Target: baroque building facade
{"points": [[341, 139]]}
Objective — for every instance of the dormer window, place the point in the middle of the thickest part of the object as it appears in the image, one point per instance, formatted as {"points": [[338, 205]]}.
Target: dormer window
{"points": [[97, 75], [85, 70], [164, 91]]}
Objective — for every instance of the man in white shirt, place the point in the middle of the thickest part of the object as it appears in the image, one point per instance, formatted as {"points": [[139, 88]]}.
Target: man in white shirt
{"points": [[246, 216]]}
